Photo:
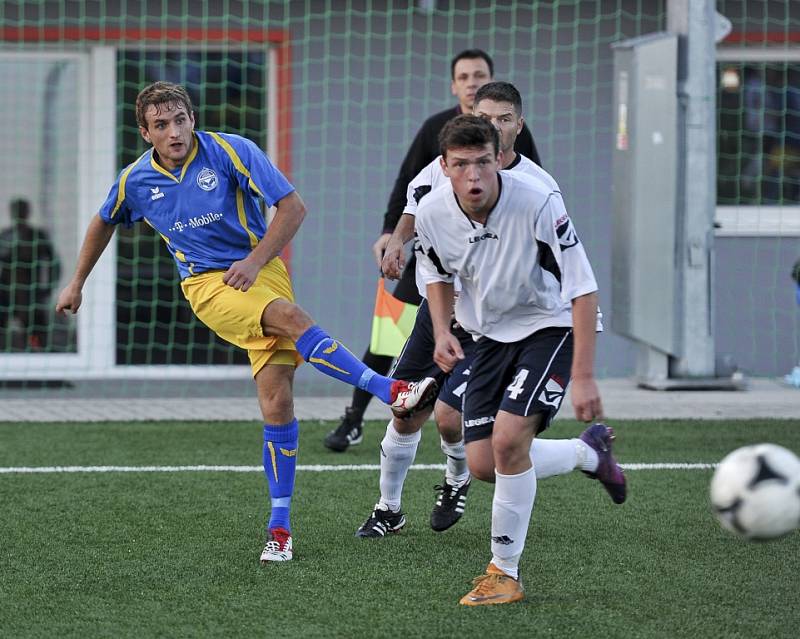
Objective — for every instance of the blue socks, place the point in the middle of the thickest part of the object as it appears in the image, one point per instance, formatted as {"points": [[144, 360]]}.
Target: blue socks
{"points": [[280, 461], [332, 358]]}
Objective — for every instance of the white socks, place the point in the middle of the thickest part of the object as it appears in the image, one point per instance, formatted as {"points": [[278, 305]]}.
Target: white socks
{"points": [[397, 455], [514, 495], [456, 472], [559, 456], [511, 513]]}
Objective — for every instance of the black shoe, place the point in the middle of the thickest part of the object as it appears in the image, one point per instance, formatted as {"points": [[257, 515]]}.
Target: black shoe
{"points": [[381, 522], [449, 506], [348, 433]]}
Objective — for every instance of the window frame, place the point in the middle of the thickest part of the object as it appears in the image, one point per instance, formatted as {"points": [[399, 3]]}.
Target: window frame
{"points": [[757, 220]]}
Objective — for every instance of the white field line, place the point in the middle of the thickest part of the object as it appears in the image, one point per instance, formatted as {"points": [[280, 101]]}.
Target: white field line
{"points": [[316, 468]]}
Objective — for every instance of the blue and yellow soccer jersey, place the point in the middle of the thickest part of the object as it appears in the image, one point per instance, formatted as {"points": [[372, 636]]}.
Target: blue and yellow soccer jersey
{"points": [[207, 210]]}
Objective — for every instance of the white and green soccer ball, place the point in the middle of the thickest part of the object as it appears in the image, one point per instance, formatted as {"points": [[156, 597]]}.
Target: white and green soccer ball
{"points": [[755, 491]]}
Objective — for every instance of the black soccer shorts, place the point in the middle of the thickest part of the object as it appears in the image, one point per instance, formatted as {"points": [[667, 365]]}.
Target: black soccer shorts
{"points": [[522, 378]]}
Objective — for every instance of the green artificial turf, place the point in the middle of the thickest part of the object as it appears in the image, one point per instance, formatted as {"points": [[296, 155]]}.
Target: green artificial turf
{"points": [[175, 554]]}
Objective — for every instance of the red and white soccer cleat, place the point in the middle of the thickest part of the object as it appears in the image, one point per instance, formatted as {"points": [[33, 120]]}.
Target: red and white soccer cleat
{"points": [[410, 397], [279, 546]]}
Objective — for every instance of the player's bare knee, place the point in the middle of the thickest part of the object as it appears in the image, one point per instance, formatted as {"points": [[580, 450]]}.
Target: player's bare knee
{"points": [[481, 470], [450, 430], [448, 421], [276, 407], [508, 452], [274, 385], [480, 460], [285, 319]]}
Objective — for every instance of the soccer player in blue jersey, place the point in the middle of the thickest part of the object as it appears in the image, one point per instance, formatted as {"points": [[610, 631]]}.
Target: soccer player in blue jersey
{"points": [[201, 192]]}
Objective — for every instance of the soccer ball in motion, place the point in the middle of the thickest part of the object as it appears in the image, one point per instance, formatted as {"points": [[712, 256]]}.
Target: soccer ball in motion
{"points": [[755, 491]]}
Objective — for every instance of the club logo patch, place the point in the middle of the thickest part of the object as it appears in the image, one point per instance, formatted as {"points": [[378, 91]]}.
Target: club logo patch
{"points": [[553, 393], [566, 234], [207, 179]]}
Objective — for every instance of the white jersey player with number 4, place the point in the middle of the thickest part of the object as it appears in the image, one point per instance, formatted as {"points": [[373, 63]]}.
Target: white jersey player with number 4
{"points": [[529, 296], [500, 104]]}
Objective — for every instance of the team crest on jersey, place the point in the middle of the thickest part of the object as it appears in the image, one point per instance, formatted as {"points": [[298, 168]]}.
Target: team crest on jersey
{"points": [[567, 237], [552, 394], [207, 179]]}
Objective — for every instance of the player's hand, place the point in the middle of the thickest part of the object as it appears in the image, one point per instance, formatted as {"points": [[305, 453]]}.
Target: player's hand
{"points": [[448, 352], [586, 400], [241, 274], [379, 247], [69, 299], [394, 259]]}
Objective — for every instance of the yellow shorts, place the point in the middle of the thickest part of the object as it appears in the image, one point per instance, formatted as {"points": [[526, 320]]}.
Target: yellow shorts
{"points": [[236, 315]]}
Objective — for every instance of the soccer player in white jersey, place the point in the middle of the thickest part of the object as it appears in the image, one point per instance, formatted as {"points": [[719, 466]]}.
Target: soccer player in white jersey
{"points": [[529, 296], [202, 192], [501, 104]]}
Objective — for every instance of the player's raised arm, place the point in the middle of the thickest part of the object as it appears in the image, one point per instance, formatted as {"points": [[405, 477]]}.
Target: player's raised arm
{"points": [[95, 241]]}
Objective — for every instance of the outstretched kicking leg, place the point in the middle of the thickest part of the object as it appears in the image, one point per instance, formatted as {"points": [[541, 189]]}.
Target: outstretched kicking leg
{"points": [[327, 355]]}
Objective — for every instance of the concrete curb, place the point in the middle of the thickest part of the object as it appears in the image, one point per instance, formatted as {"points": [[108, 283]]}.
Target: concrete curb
{"points": [[763, 398]]}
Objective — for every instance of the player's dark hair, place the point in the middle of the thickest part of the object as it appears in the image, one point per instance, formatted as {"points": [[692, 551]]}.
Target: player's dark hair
{"points": [[471, 54], [20, 209], [160, 93], [500, 92], [468, 131]]}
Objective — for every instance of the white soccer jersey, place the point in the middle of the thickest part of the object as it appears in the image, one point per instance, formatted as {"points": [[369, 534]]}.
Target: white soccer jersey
{"points": [[432, 177], [520, 272]]}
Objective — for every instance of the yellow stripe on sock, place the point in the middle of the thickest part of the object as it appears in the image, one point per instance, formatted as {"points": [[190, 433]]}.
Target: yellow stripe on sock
{"points": [[317, 360], [274, 461]]}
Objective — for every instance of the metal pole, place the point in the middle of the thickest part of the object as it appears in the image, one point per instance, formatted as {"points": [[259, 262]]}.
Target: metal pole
{"points": [[695, 21]]}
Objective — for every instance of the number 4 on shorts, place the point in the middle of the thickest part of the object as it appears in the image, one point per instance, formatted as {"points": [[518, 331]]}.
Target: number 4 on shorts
{"points": [[518, 385]]}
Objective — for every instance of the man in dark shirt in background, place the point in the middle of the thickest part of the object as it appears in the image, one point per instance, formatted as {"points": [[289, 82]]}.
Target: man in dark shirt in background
{"points": [[29, 271], [469, 70]]}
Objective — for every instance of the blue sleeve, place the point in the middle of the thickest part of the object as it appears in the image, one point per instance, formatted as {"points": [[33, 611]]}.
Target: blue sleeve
{"points": [[116, 210], [260, 176]]}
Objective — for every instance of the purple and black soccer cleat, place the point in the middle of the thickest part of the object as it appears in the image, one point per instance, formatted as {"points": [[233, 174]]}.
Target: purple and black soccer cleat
{"points": [[609, 473]]}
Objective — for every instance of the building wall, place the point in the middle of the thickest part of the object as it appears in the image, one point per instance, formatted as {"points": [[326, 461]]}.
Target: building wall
{"points": [[366, 74]]}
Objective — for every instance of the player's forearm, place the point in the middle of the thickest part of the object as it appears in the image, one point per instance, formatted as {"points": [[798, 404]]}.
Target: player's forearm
{"points": [[95, 241], [584, 325], [441, 297], [404, 230], [289, 216]]}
